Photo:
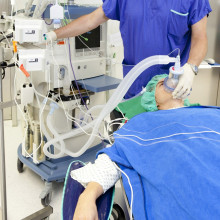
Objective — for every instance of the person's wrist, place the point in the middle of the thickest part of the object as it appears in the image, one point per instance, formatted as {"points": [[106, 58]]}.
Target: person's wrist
{"points": [[53, 35], [194, 68], [56, 32], [92, 191], [89, 196]]}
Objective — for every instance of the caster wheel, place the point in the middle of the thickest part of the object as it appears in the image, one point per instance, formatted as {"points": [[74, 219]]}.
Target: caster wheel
{"points": [[20, 166], [117, 213], [46, 200]]}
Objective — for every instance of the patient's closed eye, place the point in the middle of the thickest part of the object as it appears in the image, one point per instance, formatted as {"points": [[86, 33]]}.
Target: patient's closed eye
{"points": [[161, 83]]}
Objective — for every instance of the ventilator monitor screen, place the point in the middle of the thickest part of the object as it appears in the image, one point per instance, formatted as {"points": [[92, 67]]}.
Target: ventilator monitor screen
{"points": [[90, 39]]}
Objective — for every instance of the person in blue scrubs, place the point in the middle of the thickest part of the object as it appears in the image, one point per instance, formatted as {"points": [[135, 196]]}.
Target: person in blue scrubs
{"points": [[152, 27]]}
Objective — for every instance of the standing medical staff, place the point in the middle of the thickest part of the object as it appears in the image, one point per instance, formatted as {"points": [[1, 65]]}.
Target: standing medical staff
{"points": [[152, 27]]}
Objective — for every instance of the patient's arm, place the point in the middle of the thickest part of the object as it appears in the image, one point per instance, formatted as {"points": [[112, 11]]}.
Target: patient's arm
{"points": [[86, 206], [103, 171], [97, 178]]}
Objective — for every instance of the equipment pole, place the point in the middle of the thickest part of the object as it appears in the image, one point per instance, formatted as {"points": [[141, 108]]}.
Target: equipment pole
{"points": [[2, 148]]}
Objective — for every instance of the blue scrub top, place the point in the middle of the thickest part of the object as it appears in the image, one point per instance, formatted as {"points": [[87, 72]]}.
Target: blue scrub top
{"points": [[154, 27]]}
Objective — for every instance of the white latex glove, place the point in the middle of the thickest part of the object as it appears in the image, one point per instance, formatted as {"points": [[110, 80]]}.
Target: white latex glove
{"points": [[50, 37], [185, 83]]}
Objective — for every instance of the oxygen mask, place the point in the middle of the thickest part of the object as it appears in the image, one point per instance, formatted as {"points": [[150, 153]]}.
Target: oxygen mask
{"points": [[170, 83]]}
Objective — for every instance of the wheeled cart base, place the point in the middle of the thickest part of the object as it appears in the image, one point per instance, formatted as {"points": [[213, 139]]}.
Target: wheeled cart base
{"points": [[54, 169]]}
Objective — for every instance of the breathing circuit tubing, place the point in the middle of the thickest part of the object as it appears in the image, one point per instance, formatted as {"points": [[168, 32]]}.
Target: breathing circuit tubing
{"points": [[114, 100]]}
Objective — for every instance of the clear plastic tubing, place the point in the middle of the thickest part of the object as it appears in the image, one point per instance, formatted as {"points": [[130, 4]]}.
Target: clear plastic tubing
{"points": [[56, 135], [88, 114], [114, 100], [77, 131], [40, 8], [48, 137]]}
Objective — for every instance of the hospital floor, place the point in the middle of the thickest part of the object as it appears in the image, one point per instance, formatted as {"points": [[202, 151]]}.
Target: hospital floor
{"points": [[23, 189]]}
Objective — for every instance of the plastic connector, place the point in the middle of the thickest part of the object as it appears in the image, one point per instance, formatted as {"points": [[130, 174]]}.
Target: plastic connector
{"points": [[176, 69], [15, 46], [24, 71], [177, 63], [53, 107], [13, 2], [45, 101], [57, 23]]}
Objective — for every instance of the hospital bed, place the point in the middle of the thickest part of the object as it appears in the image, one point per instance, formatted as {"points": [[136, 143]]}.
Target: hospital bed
{"points": [[178, 177]]}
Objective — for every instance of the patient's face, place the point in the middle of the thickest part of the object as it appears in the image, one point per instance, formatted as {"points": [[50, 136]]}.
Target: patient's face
{"points": [[161, 95]]}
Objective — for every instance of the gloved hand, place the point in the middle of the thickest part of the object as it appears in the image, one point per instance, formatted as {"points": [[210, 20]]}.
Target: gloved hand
{"points": [[50, 37], [185, 83]]}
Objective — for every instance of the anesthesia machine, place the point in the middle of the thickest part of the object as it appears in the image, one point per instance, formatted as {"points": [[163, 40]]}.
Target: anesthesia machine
{"points": [[61, 87]]}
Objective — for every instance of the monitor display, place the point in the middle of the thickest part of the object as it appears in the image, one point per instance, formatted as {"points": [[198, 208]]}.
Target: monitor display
{"points": [[90, 39]]}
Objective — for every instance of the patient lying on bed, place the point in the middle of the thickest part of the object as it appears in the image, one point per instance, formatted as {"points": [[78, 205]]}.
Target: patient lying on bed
{"points": [[171, 159]]}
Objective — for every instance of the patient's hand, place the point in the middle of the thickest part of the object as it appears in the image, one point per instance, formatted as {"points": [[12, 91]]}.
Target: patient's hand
{"points": [[86, 207]]}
